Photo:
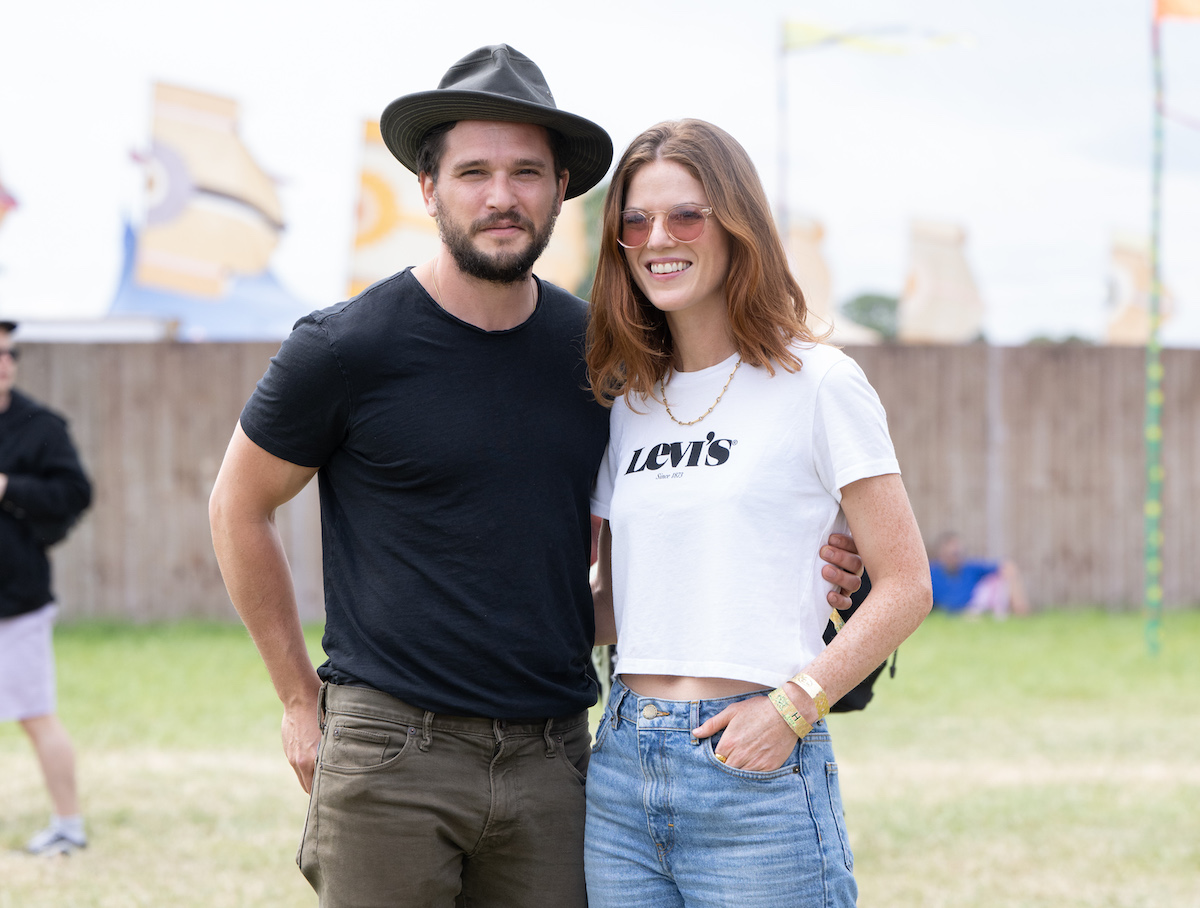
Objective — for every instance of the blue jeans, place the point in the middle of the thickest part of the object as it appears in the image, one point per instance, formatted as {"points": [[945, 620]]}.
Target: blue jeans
{"points": [[668, 825]]}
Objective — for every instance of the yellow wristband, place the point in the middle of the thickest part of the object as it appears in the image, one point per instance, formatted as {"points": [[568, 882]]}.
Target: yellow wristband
{"points": [[810, 686], [790, 714]]}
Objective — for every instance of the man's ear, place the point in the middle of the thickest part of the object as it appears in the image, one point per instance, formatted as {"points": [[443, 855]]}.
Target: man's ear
{"points": [[428, 193], [564, 179]]}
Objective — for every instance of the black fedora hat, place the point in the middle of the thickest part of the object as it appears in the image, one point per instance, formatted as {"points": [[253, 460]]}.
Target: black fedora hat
{"points": [[497, 82]]}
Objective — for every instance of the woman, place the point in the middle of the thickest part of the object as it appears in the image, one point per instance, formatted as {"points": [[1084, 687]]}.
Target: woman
{"points": [[737, 443]]}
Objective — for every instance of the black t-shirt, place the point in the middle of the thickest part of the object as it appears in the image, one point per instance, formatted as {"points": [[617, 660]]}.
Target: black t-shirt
{"points": [[455, 468]]}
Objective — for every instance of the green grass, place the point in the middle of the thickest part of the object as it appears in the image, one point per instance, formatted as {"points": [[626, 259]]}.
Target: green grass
{"points": [[1043, 762]]}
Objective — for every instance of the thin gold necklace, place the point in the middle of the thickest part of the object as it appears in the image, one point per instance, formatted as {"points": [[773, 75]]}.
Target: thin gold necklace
{"points": [[438, 290], [736, 366]]}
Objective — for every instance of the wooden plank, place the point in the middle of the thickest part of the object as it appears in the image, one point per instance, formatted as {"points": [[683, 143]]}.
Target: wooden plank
{"points": [[1029, 452]]}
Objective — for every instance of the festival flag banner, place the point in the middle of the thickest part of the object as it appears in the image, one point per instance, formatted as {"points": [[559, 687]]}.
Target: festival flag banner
{"points": [[807, 261], [7, 203], [941, 303], [1129, 320], [213, 213], [1177, 9], [200, 257], [393, 228], [806, 35]]}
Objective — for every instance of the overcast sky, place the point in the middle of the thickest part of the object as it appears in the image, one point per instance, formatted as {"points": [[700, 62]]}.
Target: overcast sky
{"points": [[1033, 132]]}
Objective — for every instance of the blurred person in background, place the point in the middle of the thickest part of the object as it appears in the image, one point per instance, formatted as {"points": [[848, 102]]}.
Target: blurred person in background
{"points": [[974, 586], [43, 489]]}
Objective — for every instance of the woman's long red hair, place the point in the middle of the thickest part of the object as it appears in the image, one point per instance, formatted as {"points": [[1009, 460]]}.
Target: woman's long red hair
{"points": [[629, 344]]}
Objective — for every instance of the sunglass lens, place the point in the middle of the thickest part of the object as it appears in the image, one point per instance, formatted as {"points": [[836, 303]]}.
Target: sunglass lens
{"points": [[635, 227], [685, 223]]}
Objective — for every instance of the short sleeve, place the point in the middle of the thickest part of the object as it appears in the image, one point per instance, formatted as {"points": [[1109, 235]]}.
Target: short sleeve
{"points": [[606, 476], [300, 410], [850, 433]]}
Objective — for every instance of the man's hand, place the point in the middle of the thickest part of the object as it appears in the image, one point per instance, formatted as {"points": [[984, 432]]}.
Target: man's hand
{"points": [[844, 569], [249, 488], [301, 737]]}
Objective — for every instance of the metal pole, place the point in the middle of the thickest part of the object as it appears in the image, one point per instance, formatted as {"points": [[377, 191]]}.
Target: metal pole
{"points": [[781, 92], [1154, 374]]}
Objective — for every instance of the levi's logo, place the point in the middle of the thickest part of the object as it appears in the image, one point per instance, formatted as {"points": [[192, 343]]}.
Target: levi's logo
{"points": [[711, 452]]}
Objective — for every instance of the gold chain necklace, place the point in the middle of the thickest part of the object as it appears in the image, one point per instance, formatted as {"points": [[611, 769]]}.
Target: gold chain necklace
{"points": [[736, 366]]}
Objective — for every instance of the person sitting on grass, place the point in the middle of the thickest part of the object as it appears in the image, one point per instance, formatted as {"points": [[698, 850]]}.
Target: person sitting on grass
{"points": [[973, 586]]}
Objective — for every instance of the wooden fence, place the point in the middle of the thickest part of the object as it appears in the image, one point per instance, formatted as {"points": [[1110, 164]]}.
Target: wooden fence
{"points": [[1034, 453]]}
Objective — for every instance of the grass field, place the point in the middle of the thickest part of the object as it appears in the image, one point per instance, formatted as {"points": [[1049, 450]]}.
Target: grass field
{"points": [[1044, 762]]}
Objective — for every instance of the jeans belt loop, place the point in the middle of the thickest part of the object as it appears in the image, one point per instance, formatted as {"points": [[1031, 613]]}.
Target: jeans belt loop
{"points": [[616, 713], [694, 718], [550, 754], [427, 732], [321, 713]]}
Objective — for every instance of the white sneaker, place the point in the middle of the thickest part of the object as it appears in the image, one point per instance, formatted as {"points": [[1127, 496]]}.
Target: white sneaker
{"points": [[54, 840]]}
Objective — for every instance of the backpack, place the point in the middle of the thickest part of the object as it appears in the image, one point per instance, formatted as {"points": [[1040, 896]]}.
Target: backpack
{"points": [[860, 695]]}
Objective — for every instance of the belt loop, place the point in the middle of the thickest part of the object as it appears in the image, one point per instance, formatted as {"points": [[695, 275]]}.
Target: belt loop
{"points": [[549, 744], [321, 714], [616, 713], [427, 735], [694, 719]]}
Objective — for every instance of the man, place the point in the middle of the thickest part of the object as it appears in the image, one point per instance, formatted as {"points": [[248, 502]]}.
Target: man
{"points": [[446, 415], [42, 490]]}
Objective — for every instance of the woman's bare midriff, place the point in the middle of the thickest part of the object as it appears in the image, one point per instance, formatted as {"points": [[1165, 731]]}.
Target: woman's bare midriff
{"points": [[678, 687]]}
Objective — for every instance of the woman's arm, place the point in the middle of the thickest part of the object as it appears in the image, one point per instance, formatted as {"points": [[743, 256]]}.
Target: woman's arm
{"points": [[885, 531], [891, 547]]}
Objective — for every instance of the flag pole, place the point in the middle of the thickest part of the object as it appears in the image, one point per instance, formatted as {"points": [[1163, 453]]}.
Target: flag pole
{"points": [[781, 94], [1154, 372]]}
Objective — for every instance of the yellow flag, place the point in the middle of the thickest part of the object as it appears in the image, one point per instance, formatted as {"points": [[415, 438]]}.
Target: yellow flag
{"points": [[891, 40], [803, 35], [1177, 9]]}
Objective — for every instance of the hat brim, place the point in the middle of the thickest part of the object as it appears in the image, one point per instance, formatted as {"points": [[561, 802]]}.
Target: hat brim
{"points": [[406, 120]]}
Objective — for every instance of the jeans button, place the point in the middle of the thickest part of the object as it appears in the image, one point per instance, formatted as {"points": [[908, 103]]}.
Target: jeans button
{"points": [[649, 710]]}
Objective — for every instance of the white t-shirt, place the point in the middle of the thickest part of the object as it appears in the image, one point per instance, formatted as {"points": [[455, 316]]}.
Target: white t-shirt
{"points": [[716, 526]]}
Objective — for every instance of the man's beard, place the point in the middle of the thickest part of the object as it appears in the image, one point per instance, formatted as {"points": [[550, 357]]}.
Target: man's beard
{"points": [[502, 267]]}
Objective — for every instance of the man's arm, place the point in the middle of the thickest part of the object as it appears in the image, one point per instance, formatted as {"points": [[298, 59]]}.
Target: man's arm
{"points": [[843, 569], [250, 486], [602, 600]]}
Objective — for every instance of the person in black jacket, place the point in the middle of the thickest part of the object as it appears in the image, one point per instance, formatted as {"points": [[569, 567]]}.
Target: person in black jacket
{"points": [[43, 489]]}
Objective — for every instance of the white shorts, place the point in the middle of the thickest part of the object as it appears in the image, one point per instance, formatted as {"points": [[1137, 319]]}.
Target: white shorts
{"points": [[27, 665]]}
